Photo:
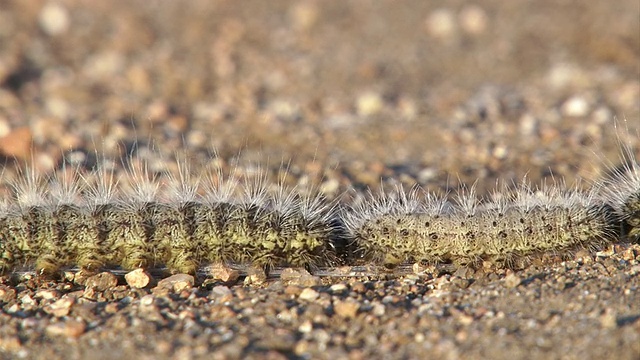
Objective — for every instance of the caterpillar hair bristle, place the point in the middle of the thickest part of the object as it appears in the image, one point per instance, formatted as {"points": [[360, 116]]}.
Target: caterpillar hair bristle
{"points": [[142, 219], [371, 220], [158, 216], [622, 188], [398, 228]]}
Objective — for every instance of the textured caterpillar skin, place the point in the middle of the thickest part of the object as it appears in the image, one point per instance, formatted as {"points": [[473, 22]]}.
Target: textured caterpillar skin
{"points": [[631, 211], [185, 224], [138, 228], [182, 237], [505, 233]]}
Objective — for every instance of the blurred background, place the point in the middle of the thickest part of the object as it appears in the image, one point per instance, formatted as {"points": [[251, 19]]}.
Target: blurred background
{"points": [[347, 93]]}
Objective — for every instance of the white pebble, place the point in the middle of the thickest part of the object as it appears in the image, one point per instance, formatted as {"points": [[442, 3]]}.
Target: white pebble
{"points": [[5, 128], [575, 106], [473, 20], [369, 103], [308, 294], [441, 23], [54, 19]]}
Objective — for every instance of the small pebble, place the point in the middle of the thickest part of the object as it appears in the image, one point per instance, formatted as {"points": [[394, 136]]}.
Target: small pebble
{"points": [[223, 273], [306, 327], [70, 328], [346, 309], [512, 280], [609, 319], [299, 277], [138, 278], [47, 294], [17, 144], [308, 294], [473, 20], [576, 106], [177, 283], [221, 294], [147, 300], [338, 288], [28, 300], [60, 308], [369, 103], [10, 343], [54, 18], [255, 277], [102, 281], [441, 24], [378, 310]]}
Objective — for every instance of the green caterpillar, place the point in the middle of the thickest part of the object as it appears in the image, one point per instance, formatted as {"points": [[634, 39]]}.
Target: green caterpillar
{"points": [[400, 229], [109, 226]]}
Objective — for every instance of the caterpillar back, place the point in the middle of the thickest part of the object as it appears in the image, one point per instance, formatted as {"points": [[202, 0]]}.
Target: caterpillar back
{"points": [[178, 222]]}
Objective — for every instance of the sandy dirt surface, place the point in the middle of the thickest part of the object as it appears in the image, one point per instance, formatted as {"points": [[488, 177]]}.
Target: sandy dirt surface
{"points": [[351, 95]]}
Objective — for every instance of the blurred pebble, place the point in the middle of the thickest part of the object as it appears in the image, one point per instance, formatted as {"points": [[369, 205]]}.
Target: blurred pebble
{"points": [[378, 310], [346, 309], [101, 282], [283, 109], [57, 107], [306, 327], [28, 300], [407, 108], [528, 125], [47, 294], [338, 288], [575, 106], [221, 294], [602, 115], [17, 144], [196, 139], [10, 344], [512, 280], [60, 308], [303, 15], [473, 20], [70, 328], [369, 103], [104, 65], [255, 277], [609, 319], [563, 75], [500, 152], [427, 174], [330, 187], [299, 277], [76, 158], [308, 294], [628, 94], [441, 24], [54, 18], [44, 162], [5, 128], [177, 283], [223, 273]]}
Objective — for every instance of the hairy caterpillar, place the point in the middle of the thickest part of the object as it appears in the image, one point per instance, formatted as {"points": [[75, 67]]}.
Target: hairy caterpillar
{"points": [[185, 223], [622, 190], [507, 230], [182, 225], [397, 228]]}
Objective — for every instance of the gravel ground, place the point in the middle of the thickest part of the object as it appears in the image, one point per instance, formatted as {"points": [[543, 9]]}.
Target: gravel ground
{"points": [[351, 95]]}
